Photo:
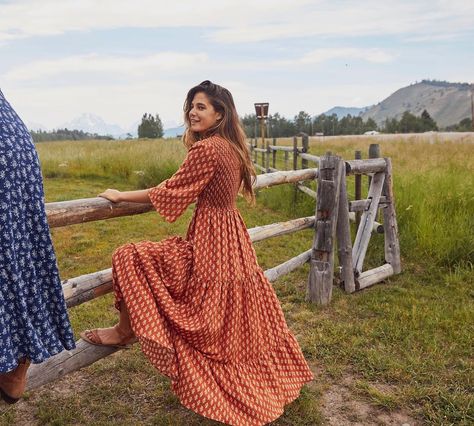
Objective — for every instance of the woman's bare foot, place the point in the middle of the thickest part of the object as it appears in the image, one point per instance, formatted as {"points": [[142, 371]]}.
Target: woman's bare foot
{"points": [[112, 336]]}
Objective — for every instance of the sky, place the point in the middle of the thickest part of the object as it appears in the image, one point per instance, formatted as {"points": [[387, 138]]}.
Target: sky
{"points": [[120, 59]]}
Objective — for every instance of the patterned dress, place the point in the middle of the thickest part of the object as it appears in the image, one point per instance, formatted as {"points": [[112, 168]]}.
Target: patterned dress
{"points": [[33, 317], [201, 307]]}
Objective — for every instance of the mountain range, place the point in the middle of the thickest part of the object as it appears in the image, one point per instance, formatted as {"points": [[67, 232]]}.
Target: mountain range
{"points": [[447, 103]]}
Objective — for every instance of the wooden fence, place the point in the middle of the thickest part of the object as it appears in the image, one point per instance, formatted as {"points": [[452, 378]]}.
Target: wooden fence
{"points": [[331, 217]]}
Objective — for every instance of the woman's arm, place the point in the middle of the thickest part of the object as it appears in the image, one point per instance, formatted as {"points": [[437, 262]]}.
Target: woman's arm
{"points": [[140, 196]]}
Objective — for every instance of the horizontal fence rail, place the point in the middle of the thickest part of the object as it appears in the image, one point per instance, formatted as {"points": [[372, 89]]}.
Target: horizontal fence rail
{"points": [[65, 213]]}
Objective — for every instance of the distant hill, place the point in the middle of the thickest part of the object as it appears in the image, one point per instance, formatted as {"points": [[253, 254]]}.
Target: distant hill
{"points": [[448, 103], [344, 111], [173, 132]]}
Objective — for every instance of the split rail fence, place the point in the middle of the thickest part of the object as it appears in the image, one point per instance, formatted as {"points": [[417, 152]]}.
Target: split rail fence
{"points": [[331, 224]]}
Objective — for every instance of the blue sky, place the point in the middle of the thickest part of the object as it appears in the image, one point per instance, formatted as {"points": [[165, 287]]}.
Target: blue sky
{"points": [[119, 59]]}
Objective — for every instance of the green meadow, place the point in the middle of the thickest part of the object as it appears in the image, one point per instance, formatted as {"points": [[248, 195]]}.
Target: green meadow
{"points": [[397, 352]]}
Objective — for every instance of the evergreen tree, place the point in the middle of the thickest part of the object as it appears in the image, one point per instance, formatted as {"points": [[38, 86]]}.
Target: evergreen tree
{"points": [[150, 127], [427, 123]]}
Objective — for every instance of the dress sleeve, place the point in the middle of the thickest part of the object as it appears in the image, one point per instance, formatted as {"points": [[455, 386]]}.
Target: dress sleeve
{"points": [[171, 197]]}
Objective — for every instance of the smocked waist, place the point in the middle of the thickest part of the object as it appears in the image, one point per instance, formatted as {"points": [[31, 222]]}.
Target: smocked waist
{"points": [[225, 208]]}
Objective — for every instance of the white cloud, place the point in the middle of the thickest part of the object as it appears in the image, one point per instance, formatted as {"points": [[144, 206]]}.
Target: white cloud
{"points": [[157, 64], [326, 54], [242, 21]]}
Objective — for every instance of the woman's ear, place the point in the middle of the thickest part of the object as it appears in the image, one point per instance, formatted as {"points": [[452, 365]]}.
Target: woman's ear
{"points": [[219, 116]]}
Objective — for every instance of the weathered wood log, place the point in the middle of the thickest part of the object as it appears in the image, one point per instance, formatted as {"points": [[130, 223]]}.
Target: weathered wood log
{"points": [[358, 188], [373, 276], [264, 150], [87, 287], [290, 265], [90, 209], [377, 227], [392, 244], [295, 153], [274, 154], [259, 167], [306, 190], [344, 243], [86, 354], [309, 157], [367, 222], [266, 157], [65, 362], [272, 170], [305, 147], [362, 205], [327, 206], [260, 233], [288, 176], [365, 166], [281, 148]]}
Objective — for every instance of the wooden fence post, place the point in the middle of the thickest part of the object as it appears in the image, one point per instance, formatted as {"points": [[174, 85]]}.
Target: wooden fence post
{"points": [[274, 153], [392, 244], [344, 242], [358, 188], [321, 273], [295, 153], [267, 157], [305, 143], [295, 167], [374, 152]]}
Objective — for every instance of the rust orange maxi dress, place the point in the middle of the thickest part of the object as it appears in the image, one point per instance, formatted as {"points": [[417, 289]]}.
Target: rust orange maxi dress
{"points": [[202, 309]]}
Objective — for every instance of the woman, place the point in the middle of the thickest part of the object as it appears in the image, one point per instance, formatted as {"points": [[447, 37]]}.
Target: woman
{"points": [[201, 307], [34, 323]]}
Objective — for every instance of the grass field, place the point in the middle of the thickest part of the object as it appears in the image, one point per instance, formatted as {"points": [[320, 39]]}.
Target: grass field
{"points": [[399, 352]]}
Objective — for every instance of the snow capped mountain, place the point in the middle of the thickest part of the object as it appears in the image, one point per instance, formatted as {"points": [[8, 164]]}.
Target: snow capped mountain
{"points": [[92, 123]]}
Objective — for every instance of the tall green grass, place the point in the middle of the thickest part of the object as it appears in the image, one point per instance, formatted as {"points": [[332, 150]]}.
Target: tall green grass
{"points": [[141, 163]]}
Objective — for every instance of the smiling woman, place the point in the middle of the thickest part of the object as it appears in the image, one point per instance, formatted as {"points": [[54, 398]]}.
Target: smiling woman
{"points": [[201, 307]]}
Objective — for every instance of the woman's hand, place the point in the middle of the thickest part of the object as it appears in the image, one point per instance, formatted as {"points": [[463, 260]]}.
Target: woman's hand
{"points": [[111, 195]]}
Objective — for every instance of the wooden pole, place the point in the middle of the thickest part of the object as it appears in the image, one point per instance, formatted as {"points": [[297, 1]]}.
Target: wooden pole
{"points": [[327, 205], [274, 153], [374, 152], [305, 143], [367, 222], [344, 243], [267, 157], [358, 187], [295, 167], [392, 244]]}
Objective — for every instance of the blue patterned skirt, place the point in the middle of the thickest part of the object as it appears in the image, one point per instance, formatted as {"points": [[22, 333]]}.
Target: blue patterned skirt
{"points": [[34, 321]]}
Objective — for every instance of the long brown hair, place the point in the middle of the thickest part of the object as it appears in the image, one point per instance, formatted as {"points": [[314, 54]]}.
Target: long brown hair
{"points": [[228, 127]]}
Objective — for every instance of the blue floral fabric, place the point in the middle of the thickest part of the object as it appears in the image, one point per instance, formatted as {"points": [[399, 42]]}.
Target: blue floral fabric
{"points": [[34, 321]]}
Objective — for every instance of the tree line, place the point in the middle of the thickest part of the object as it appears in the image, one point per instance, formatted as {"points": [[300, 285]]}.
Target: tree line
{"points": [[279, 126], [65, 134], [332, 125]]}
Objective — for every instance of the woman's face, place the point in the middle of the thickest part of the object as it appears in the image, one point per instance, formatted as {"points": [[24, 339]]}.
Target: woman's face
{"points": [[202, 114]]}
